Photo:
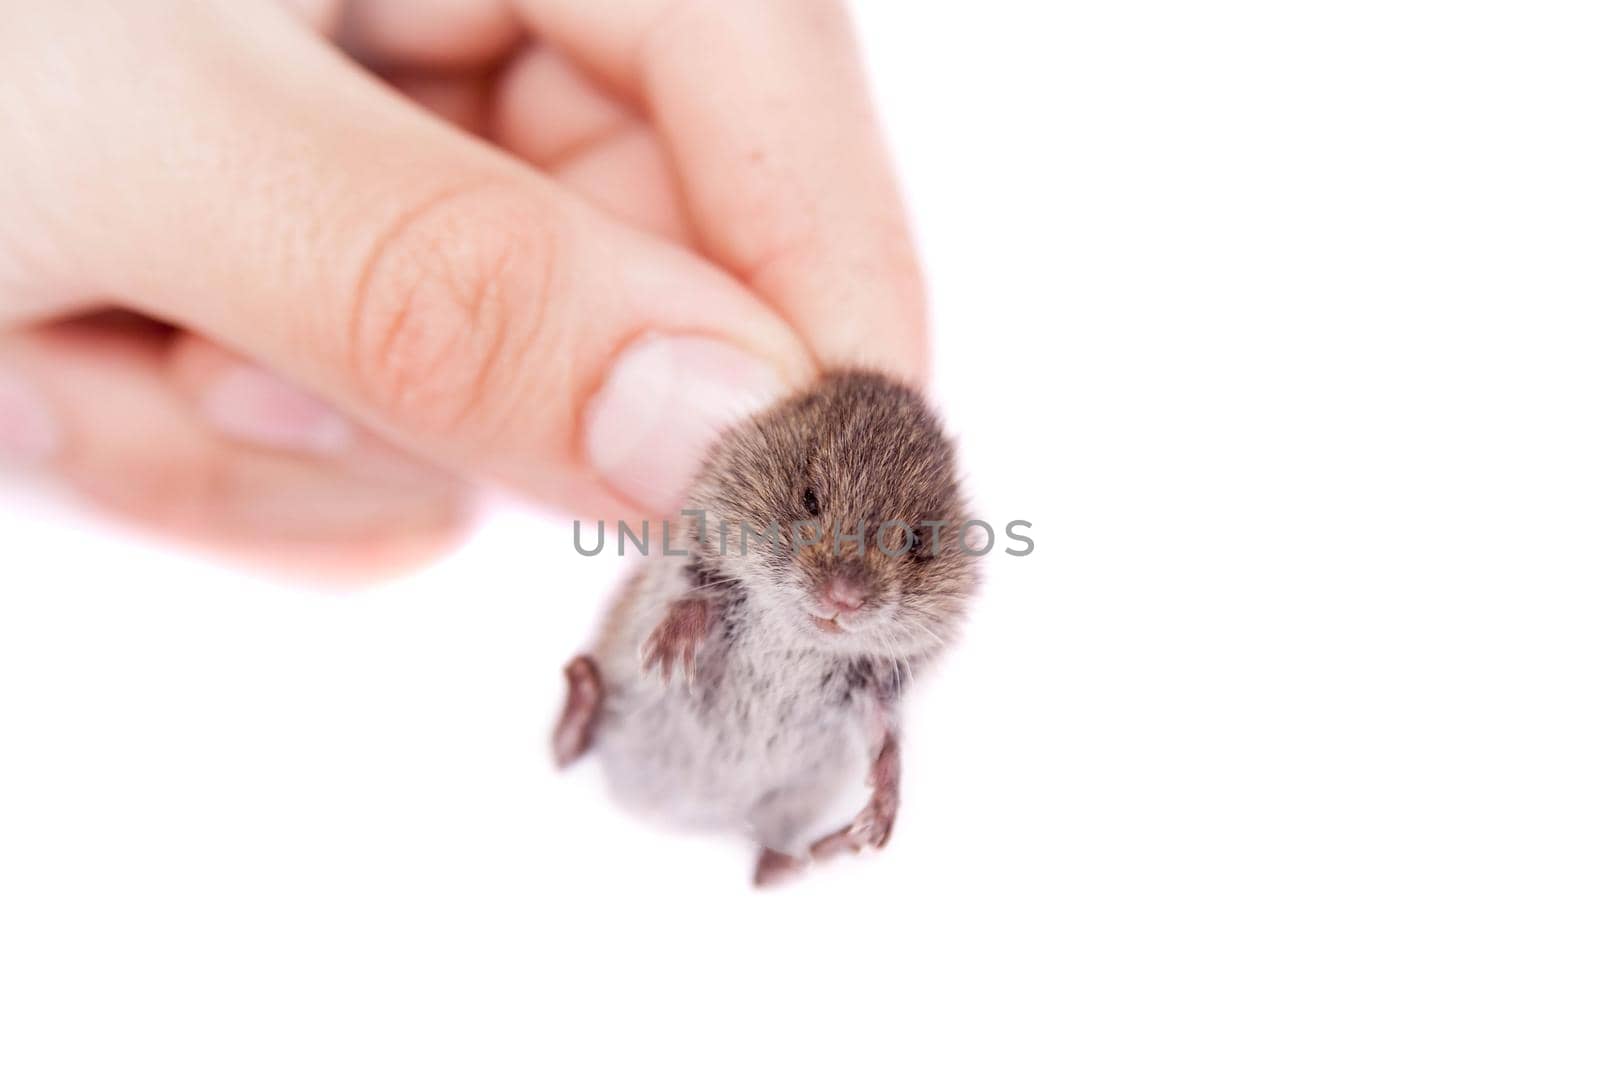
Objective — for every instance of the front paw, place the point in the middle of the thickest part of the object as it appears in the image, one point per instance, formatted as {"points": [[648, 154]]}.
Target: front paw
{"points": [[676, 640]]}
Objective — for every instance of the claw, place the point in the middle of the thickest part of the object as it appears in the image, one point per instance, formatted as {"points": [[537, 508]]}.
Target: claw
{"points": [[675, 641]]}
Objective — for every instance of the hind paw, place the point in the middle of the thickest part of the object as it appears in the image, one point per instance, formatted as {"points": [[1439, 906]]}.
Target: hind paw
{"points": [[775, 868], [574, 731]]}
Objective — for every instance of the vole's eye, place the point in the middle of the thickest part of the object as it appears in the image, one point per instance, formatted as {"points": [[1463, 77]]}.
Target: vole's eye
{"points": [[918, 543], [813, 505]]}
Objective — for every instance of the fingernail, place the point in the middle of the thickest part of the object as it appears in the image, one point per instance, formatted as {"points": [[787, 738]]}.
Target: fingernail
{"points": [[253, 406], [665, 401], [29, 433]]}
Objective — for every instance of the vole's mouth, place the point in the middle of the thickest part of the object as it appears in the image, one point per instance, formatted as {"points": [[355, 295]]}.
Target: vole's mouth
{"points": [[827, 626]]}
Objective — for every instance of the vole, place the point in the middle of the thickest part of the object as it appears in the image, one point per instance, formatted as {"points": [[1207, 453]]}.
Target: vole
{"points": [[744, 684]]}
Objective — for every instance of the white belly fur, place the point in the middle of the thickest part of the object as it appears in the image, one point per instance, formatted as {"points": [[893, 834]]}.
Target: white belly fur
{"points": [[767, 742]]}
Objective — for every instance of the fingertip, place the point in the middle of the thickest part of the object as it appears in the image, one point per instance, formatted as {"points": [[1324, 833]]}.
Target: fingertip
{"points": [[546, 109], [254, 407], [663, 403], [429, 33]]}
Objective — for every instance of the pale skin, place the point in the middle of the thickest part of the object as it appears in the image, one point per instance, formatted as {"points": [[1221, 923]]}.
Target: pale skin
{"points": [[192, 189]]}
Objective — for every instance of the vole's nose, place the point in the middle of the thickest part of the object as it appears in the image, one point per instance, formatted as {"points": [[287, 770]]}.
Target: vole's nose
{"points": [[843, 596]]}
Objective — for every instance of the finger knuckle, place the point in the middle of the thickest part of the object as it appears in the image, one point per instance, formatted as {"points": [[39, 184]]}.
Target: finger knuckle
{"points": [[450, 294]]}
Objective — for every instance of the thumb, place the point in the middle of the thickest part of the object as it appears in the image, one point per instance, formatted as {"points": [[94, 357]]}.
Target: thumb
{"points": [[269, 194]]}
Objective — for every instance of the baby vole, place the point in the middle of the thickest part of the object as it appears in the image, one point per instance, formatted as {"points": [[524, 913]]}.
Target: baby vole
{"points": [[743, 684]]}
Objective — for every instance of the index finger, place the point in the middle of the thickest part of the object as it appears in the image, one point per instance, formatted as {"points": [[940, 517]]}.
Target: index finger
{"points": [[766, 113]]}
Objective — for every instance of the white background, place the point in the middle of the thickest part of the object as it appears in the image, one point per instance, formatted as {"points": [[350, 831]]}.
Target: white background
{"points": [[1278, 320]]}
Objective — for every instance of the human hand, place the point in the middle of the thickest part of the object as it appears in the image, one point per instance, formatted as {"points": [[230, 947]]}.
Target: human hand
{"points": [[347, 310]]}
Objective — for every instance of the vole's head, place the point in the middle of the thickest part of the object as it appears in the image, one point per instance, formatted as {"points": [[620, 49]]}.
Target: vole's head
{"points": [[793, 487]]}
